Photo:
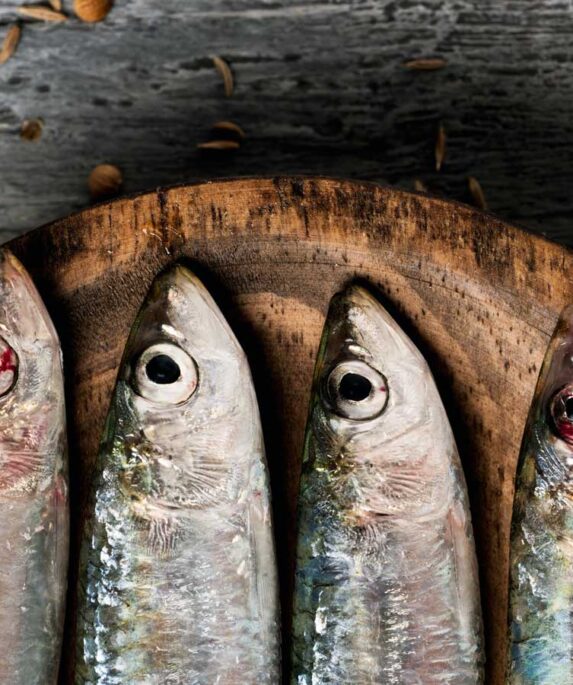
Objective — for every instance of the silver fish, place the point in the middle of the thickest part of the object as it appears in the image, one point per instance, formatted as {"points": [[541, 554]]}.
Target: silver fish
{"points": [[178, 582], [386, 588], [34, 534], [541, 555]]}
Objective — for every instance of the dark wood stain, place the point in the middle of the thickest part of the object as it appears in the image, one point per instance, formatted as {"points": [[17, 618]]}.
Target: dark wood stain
{"points": [[478, 297]]}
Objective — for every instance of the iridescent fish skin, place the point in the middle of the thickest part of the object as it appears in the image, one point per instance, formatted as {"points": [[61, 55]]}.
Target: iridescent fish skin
{"points": [[541, 555], [34, 532], [178, 581], [386, 588]]}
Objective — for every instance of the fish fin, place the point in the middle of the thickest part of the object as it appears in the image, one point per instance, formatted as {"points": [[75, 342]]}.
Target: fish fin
{"points": [[259, 518], [466, 572]]}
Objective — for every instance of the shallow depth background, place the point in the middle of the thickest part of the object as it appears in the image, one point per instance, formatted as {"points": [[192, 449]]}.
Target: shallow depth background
{"points": [[320, 89]]}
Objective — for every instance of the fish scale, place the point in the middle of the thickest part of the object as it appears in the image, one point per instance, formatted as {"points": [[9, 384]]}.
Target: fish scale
{"points": [[34, 536], [540, 636], [386, 589], [177, 566], [390, 616]]}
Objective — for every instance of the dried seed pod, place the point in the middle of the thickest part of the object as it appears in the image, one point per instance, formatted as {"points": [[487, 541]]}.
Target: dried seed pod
{"points": [[104, 181], [425, 64], [420, 186], [440, 150], [225, 70], [229, 126], [219, 145], [31, 129], [477, 192], [92, 10], [41, 13], [10, 43]]}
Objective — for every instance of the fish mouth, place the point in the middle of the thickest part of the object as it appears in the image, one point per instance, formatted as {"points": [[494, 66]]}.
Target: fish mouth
{"points": [[564, 327], [357, 318], [159, 319], [342, 338], [23, 315], [359, 297]]}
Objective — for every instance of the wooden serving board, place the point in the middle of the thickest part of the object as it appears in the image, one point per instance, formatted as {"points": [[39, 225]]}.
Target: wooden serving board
{"points": [[478, 297]]}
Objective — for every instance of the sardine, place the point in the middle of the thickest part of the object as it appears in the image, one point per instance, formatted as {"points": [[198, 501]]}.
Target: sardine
{"points": [[541, 555], [34, 532], [178, 580], [386, 588]]}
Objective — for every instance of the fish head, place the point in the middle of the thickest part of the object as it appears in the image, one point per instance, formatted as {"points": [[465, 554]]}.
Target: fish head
{"points": [[551, 413], [388, 444], [184, 403], [31, 388]]}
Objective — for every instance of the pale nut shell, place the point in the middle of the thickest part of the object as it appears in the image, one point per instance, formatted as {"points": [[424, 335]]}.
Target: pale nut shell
{"points": [[104, 181]]}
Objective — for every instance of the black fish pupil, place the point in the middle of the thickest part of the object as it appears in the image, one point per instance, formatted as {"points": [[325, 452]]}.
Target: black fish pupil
{"points": [[569, 408], [354, 387], [162, 370]]}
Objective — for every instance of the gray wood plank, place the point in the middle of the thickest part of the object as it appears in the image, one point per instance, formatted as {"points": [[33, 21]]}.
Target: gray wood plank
{"points": [[319, 90]]}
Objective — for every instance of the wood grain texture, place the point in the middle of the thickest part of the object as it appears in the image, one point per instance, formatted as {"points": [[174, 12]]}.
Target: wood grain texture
{"points": [[319, 89], [477, 296]]}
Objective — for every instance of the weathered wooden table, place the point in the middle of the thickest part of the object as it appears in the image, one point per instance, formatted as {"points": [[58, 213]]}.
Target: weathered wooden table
{"points": [[478, 297], [320, 89]]}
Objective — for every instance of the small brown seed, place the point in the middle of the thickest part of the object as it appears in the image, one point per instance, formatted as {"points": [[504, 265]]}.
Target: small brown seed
{"points": [[425, 64], [229, 126], [92, 10], [225, 70], [420, 186], [477, 192], [104, 181], [440, 151], [219, 145], [31, 129], [56, 4], [10, 43], [41, 13]]}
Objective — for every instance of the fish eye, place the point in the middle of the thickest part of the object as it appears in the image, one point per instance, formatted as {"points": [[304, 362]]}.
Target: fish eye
{"points": [[166, 374], [562, 413], [8, 367], [354, 390], [162, 369]]}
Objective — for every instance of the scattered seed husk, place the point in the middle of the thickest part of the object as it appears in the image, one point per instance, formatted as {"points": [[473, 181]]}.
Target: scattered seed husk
{"points": [[477, 192], [10, 43], [440, 150], [41, 13], [219, 145], [105, 181], [229, 126], [225, 70], [31, 129], [92, 10], [420, 186], [56, 5], [425, 64]]}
